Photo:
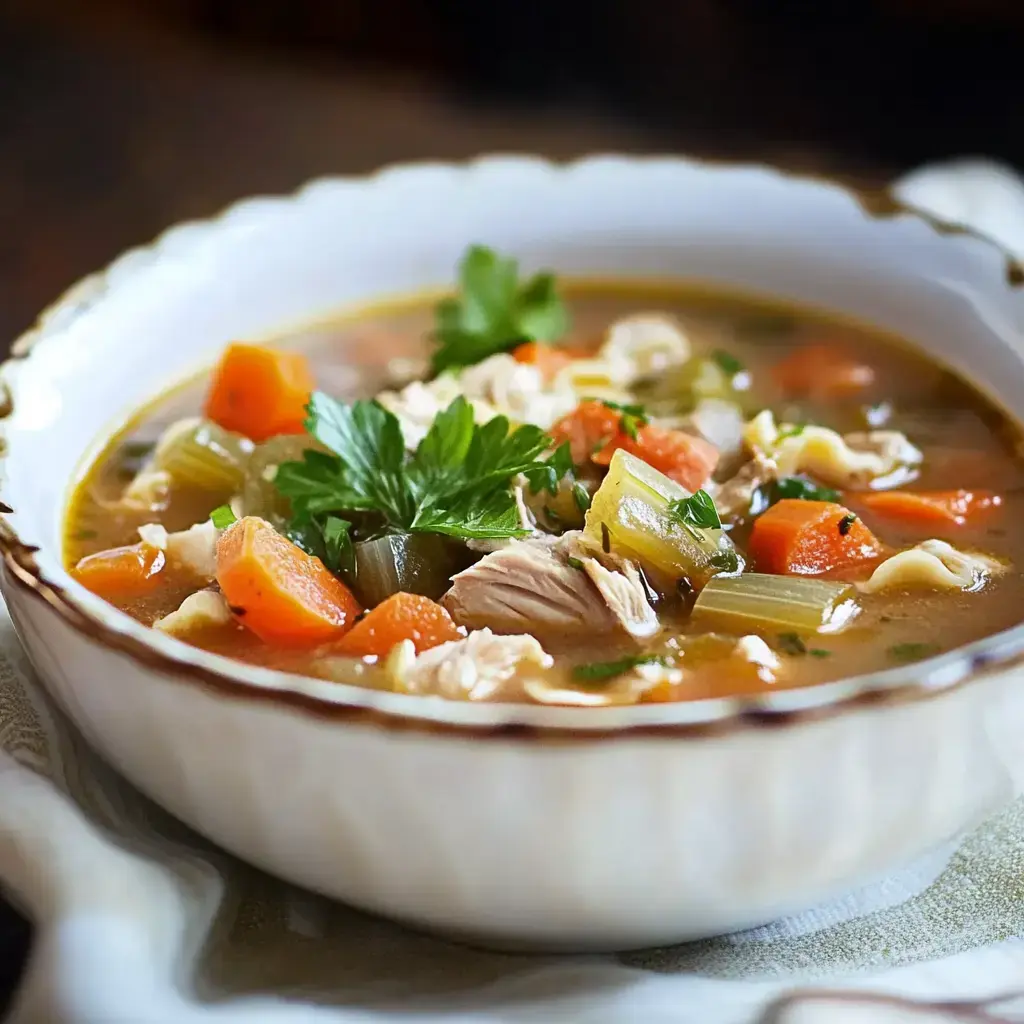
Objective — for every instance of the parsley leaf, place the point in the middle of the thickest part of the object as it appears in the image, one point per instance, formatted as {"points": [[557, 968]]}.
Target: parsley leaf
{"points": [[633, 416], [804, 489], [602, 671], [493, 312], [727, 361], [790, 643], [698, 510], [581, 496], [794, 430], [456, 483], [222, 517], [547, 475], [913, 651]]}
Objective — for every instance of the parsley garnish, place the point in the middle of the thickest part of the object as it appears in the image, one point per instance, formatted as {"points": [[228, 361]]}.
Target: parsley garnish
{"points": [[790, 643], [493, 311], [222, 517], [547, 475], [633, 417], [793, 430], [456, 483], [582, 497], [727, 361], [802, 488], [698, 510], [601, 671], [846, 523], [913, 651], [574, 563]]}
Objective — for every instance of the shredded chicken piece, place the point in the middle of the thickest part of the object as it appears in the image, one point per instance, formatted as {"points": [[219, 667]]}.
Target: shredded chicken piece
{"points": [[417, 404], [753, 649], [733, 497], [194, 549], [934, 564], [532, 586], [516, 390], [203, 609], [475, 668]]}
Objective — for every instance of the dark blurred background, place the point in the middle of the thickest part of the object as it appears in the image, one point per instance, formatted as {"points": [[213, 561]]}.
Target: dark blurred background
{"points": [[119, 117]]}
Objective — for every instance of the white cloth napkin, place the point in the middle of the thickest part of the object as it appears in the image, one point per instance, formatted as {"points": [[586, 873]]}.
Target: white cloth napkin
{"points": [[143, 922]]}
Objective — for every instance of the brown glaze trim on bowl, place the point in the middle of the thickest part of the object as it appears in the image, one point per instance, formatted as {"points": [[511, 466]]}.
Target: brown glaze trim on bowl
{"points": [[24, 571]]}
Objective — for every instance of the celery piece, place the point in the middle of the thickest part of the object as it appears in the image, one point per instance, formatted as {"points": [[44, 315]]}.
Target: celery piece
{"points": [[632, 507], [201, 454], [762, 601]]}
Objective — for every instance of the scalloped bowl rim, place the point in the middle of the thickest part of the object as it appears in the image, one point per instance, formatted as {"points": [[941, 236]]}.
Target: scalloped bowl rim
{"points": [[123, 635]]}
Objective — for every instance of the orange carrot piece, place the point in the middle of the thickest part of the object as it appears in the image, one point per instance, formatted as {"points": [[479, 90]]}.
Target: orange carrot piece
{"points": [[822, 372], [588, 428], [688, 460], [260, 392], [797, 537], [948, 507], [549, 359], [594, 432], [400, 617], [283, 595], [130, 571]]}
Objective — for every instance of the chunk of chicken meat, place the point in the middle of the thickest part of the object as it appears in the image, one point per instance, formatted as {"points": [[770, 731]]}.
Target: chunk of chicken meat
{"points": [[194, 549], [536, 587], [734, 496], [204, 609], [476, 668]]}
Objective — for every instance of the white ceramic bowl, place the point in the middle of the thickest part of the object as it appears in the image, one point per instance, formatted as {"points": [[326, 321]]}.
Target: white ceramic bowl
{"points": [[544, 827]]}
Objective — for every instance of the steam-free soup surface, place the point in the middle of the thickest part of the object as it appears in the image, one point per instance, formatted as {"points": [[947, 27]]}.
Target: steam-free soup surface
{"points": [[770, 415]]}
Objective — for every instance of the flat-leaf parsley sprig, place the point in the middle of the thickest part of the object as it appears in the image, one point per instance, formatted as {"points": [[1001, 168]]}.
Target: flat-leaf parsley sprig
{"points": [[458, 482], [493, 311]]}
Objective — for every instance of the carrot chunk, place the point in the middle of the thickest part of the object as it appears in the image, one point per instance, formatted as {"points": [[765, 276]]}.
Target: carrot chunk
{"points": [[822, 372], [259, 392], [797, 537], [594, 432], [549, 359], [588, 428], [928, 507], [130, 571], [400, 617], [688, 460], [283, 595]]}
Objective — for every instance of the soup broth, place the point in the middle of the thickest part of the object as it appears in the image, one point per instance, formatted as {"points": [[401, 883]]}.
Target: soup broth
{"points": [[914, 477]]}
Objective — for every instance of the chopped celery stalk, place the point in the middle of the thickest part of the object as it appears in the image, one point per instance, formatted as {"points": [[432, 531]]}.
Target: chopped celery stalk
{"points": [[200, 454], [630, 508], [416, 563], [681, 388], [259, 495], [761, 601]]}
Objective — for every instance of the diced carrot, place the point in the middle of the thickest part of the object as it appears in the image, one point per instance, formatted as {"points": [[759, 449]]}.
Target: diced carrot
{"points": [[688, 460], [283, 595], [121, 572], [260, 392], [588, 428], [950, 507], [822, 372], [594, 432], [796, 537], [400, 617], [549, 359]]}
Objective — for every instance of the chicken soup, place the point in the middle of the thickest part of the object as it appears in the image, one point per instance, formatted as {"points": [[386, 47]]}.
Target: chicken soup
{"points": [[588, 494]]}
